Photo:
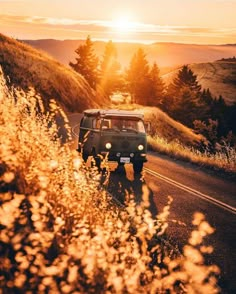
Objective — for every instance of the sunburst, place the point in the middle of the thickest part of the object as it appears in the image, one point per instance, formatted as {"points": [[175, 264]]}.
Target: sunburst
{"points": [[123, 25]]}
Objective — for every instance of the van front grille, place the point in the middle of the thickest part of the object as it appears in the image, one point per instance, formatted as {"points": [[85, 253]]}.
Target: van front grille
{"points": [[125, 144], [125, 138]]}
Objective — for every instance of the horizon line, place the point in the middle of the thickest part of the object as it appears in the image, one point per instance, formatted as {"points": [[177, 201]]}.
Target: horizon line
{"points": [[141, 42]]}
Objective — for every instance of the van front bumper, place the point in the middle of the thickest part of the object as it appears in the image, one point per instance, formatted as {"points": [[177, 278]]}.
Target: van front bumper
{"points": [[125, 157]]}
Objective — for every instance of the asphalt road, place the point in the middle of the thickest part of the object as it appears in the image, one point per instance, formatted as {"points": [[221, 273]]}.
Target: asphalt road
{"points": [[193, 190], [204, 187]]}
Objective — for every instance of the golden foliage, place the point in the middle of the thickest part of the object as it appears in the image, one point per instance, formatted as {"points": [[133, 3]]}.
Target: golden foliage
{"points": [[224, 161], [60, 232]]}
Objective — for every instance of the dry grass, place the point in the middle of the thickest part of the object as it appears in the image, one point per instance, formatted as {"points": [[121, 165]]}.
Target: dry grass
{"points": [[60, 233], [27, 67], [224, 161], [166, 127], [218, 76]]}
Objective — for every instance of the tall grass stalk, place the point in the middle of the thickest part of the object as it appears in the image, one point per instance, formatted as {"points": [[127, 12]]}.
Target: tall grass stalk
{"points": [[222, 160]]}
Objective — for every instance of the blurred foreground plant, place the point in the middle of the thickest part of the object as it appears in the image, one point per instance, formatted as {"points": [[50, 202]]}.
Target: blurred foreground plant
{"points": [[60, 232]]}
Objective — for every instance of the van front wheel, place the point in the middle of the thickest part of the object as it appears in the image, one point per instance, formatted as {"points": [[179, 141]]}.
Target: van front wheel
{"points": [[85, 157], [138, 167]]}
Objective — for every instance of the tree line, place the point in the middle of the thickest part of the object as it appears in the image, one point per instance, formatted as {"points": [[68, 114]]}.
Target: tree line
{"points": [[183, 99]]}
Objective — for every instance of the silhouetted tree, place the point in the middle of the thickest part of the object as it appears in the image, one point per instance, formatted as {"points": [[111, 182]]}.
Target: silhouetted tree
{"points": [[187, 109], [186, 78], [206, 97], [219, 113], [86, 62], [138, 77], [156, 87], [231, 118], [184, 101], [110, 77], [208, 101]]}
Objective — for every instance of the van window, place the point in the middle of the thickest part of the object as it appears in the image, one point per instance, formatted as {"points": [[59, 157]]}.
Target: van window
{"points": [[123, 124], [106, 124], [141, 127], [96, 123]]}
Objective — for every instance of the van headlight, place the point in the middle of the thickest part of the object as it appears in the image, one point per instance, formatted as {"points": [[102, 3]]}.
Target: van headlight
{"points": [[140, 147], [108, 145]]}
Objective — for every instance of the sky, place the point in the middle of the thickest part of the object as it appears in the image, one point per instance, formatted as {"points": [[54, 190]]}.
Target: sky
{"points": [[145, 21]]}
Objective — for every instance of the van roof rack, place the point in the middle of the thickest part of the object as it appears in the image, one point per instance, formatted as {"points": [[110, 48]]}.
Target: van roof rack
{"points": [[113, 112]]}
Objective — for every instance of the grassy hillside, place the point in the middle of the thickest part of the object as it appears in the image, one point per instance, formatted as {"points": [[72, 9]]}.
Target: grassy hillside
{"points": [[27, 67], [165, 54], [218, 76], [165, 127]]}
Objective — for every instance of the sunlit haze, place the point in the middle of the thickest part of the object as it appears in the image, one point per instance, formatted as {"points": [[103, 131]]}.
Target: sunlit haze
{"points": [[183, 21]]}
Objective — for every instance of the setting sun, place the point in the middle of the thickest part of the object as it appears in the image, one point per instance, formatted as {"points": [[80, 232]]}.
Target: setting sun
{"points": [[123, 25]]}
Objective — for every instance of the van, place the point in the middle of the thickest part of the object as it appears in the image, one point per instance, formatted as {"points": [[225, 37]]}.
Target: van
{"points": [[116, 135]]}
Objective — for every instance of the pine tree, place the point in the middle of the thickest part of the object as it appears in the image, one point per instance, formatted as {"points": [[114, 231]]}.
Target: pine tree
{"points": [[86, 62], [206, 97], [230, 118], [186, 78], [219, 111], [156, 87], [138, 77], [187, 109], [184, 98], [207, 101], [110, 79]]}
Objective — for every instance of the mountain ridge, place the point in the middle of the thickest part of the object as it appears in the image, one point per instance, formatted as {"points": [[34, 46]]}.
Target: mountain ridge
{"points": [[165, 54]]}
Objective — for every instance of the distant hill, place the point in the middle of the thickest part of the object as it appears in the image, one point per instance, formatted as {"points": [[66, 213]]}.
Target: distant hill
{"points": [[218, 76], [27, 67], [165, 54]]}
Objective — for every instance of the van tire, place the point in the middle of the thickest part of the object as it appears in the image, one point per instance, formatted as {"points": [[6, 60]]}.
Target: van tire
{"points": [[85, 157], [138, 167]]}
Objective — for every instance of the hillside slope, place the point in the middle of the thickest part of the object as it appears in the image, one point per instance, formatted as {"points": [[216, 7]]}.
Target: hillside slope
{"points": [[165, 127], [27, 67], [218, 76]]}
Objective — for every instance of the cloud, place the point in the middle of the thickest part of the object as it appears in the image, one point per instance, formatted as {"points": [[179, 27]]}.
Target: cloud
{"points": [[68, 27], [65, 23]]}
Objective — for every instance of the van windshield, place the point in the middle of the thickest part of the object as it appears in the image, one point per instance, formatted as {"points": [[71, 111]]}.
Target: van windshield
{"points": [[123, 125]]}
